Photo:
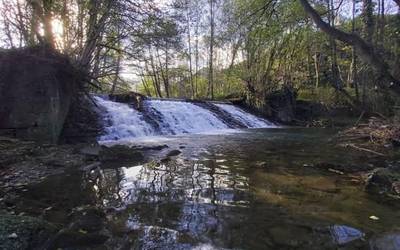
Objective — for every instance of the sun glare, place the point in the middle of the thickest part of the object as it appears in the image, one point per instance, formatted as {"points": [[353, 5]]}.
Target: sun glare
{"points": [[57, 26], [58, 31]]}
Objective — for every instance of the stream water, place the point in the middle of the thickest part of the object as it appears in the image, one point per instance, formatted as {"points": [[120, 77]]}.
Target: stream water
{"points": [[248, 189]]}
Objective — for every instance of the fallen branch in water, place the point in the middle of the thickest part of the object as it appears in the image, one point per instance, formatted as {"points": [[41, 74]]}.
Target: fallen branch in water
{"points": [[374, 137], [377, 131], [359, 118], [364, 149]]}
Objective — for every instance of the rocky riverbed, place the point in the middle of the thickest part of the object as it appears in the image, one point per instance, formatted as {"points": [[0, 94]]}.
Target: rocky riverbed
{"points": [[24, 221]]}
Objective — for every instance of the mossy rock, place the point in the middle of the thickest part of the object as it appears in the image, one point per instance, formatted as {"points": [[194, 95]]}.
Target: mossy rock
{"points": [[72, 239], [23, 232], [88, 219]]}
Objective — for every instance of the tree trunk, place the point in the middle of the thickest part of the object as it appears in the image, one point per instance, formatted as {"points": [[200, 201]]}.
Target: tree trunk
{"points": [[368, 20], [211, 66], [37, 16], [166, 82], [196, 60], [365, 50], [156, 81], [334, 66], [190, 50], [47, 23], [382, 24], [145, 84], [117, 71], [354, 80], [316, 65], [353, 75], [66, 25], [95, 28]]}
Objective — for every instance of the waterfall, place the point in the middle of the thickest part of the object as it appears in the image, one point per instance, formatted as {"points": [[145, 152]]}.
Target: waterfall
{"points": [[123, 120], [184, 117], [251, 121], [167, 117]]}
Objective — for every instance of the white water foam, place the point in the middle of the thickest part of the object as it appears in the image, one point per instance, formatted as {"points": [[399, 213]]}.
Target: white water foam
{"points": [[125, 121], [251, 121], [165, 117], [184, 117]]}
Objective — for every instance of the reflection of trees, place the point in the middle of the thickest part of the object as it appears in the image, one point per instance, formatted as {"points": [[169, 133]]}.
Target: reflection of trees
{"points": [[187, 196], [106, 185]]}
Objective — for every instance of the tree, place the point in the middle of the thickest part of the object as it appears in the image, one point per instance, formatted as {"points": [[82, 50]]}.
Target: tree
{"points": [[366, 50], [211, 52]]}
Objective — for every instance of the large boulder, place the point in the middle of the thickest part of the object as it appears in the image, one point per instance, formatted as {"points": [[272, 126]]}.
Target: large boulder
{"points": [[36, 88]]}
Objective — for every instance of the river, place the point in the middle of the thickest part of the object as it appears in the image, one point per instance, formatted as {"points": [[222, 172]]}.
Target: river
{"points": [[236, 189]]}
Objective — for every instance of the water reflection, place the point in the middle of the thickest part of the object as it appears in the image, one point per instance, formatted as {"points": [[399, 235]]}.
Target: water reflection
{"points": [[178, 195], [225, 199], [201, 182], [237, 193]]}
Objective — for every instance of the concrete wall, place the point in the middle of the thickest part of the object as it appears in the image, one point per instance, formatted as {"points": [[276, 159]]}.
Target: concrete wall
{"points": [[36, 88]]}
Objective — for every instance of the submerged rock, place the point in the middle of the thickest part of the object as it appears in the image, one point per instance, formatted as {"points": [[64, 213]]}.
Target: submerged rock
{"points": [[23, 232], [120, 153], [384, 181], [86, 228], [388, 241], [91, 150], [342, 234], [88, 219], [23, 163], [174, 153], [169, 155], [289, 237], [72, 239], [165, 159], [150, 147], [155, 237], [340, 168]]}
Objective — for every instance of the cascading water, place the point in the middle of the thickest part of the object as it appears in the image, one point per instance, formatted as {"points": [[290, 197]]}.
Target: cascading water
{"points": [[166, 117], [125, 121], [251, 121], [183, 117]]}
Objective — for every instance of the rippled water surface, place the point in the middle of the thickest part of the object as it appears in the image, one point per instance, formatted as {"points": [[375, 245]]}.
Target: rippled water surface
{"points": [[249, 190]]}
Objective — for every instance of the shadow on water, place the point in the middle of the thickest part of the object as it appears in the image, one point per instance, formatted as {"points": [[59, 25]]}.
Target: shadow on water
{"points": [[240, 191]]}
